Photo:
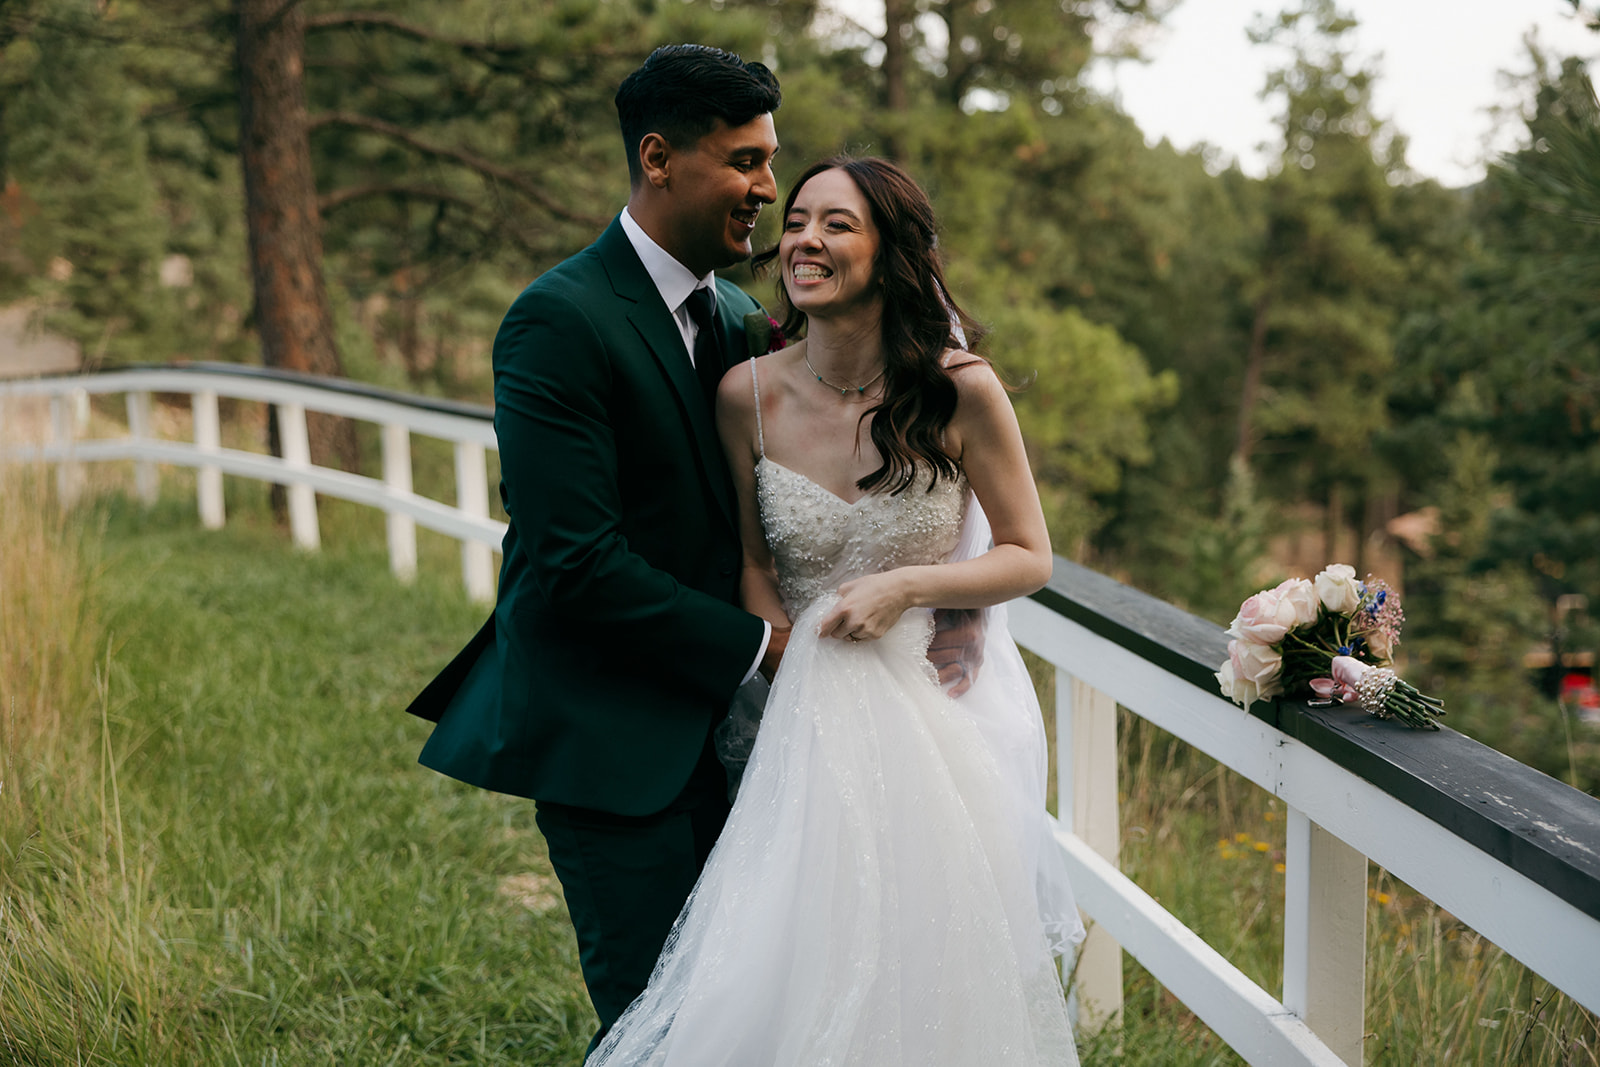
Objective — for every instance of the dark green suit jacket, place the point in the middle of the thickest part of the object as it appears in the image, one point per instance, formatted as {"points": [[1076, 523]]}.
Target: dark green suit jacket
{"points": [[615, 644]]}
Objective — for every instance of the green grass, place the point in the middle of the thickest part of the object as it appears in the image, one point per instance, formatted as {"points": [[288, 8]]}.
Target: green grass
{"points": [[227, 853], [253, 869]]}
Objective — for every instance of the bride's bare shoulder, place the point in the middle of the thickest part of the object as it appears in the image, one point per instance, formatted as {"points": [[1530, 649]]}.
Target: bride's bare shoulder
{"points": [[976, 380]]}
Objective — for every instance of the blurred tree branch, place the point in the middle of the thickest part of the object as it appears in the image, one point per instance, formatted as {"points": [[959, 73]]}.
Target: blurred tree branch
{"points": [[472, 161]]}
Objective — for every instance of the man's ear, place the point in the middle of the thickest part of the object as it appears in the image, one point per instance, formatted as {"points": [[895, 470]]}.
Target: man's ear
{"points": [[655, 159]]}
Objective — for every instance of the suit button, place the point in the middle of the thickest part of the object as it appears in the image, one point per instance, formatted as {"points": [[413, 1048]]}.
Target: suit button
{"points": [[727, 570]]}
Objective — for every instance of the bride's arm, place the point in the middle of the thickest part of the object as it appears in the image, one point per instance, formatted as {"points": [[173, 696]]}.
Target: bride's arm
{"points": [[758, 578], [985, 437]]}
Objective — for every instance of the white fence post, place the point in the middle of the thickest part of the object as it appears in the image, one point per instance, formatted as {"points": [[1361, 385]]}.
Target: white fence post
{"points": [[1325, 935], [297, 457], [472, 498], [1086, 792], [397, 478], [69, 472], [146, 480], [208, 438]]}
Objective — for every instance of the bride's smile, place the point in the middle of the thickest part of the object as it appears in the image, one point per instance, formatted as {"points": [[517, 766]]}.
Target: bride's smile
{"points": [[829, 248]]}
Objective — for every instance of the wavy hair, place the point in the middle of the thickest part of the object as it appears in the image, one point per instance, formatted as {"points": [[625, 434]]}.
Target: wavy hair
{"points": [[918, 325]]}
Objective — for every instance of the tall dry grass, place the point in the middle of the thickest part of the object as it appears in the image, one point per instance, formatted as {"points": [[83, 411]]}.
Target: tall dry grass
{"points": [[49, 634], [1210, 846], [75, 949]]}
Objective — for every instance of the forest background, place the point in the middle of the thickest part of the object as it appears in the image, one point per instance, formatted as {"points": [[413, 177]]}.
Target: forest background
{"points": [[1231, 379]]}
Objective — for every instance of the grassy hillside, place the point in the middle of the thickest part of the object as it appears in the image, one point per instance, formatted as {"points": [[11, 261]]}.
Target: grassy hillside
{"points": [[241, 861]]}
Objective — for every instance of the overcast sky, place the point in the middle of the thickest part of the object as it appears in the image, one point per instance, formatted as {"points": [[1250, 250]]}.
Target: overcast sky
{"points": [[1439, 63]]}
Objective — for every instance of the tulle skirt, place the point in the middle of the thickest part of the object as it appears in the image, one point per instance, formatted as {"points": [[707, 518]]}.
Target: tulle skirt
{"points": [[875, 898]]}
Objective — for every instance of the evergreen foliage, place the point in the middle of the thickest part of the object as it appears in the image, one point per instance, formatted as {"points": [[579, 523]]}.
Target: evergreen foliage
{"points": [[1220, 366]]}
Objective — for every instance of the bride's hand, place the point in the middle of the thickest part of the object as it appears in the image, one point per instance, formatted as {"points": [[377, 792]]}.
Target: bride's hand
{"points": [[868, 606]]}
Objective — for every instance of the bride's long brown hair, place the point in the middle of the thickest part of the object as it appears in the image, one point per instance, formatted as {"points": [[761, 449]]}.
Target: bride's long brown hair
{"points": [[919, 399]]}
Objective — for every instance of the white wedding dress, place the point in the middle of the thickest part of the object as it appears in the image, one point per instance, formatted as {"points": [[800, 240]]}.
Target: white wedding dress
{"points": [[882, 894]]}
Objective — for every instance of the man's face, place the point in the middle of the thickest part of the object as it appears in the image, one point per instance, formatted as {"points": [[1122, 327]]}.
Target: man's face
{"points": [[716, 189]]}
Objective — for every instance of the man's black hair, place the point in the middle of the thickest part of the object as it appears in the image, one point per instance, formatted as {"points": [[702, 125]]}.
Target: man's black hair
{"points": [[683, 89]]}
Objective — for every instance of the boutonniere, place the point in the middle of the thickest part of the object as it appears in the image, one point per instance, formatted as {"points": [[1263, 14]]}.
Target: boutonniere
{"points": [[762, 334]]}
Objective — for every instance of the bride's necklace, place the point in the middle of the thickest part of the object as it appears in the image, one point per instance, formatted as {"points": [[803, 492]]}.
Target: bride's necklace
{"points": [[844, 390]]}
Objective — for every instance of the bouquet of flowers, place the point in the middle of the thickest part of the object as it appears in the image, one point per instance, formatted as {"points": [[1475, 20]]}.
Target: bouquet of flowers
{"points": [[1331, 638]]}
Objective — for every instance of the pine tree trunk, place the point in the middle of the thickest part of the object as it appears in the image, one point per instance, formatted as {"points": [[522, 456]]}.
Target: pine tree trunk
{"points": [[1333, 524], [896, 15], [292, 312], [1252, 381]]}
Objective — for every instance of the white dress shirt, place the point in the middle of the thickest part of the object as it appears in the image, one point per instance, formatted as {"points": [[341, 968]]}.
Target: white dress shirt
{"points": [[675, 282]]}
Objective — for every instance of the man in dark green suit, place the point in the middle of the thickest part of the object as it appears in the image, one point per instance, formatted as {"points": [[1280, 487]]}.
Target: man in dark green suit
{"points": [[616, 642]]}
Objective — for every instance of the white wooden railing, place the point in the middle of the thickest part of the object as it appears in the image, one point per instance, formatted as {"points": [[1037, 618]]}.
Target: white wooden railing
{"points": [[469, 428], [1505, 849], [1508, 851]]}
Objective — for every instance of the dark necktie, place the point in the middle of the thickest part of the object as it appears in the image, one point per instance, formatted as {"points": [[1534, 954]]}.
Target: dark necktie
{"points": [[702, 304]]}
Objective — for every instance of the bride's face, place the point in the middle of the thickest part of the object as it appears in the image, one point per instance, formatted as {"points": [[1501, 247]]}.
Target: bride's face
{"points": [[829, 248]]}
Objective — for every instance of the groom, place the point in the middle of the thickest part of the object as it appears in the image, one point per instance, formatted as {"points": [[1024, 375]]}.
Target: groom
{"points": [[616, 644]]}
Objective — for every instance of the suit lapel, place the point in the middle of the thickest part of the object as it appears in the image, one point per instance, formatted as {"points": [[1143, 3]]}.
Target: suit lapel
{"points": [[658, 331]]}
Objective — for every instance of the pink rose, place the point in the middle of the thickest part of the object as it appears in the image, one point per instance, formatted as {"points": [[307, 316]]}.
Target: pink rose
{"points": [[1301, 596], [1261, 665], [1263, 619]]}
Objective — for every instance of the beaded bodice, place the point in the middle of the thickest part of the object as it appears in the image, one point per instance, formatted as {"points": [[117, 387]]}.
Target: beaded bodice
{"points": [[819, 540]]}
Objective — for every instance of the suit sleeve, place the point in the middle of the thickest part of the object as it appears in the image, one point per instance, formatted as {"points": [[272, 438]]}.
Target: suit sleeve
{"points": [[559, 464]]}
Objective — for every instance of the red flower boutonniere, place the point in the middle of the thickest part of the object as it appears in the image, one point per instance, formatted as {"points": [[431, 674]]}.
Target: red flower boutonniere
{"points": [[762, 334]]}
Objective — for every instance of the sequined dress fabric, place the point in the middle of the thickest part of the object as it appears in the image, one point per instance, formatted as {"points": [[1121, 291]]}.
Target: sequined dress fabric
{"points": [[874, 897]]}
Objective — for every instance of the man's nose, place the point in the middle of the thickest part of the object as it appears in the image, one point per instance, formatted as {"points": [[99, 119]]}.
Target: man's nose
{"points": [[765, 188]]}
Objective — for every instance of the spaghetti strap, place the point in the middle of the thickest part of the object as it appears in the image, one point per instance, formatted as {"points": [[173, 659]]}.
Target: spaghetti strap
{"points": [[755, 383]]}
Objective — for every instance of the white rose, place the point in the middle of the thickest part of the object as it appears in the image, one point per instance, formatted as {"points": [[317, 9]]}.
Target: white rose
{"points": [[1225, 679], [1380, 643], [1338, 589], [1245, 693], [1241, 691], [1300, 596]]}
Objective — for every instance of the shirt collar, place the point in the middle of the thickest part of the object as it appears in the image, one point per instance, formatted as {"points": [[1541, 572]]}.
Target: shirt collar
{"points": [[673, 280]]}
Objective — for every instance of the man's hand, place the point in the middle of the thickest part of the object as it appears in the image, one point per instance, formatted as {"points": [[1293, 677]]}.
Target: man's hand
{"points": [[956, 651], [774, 653]]}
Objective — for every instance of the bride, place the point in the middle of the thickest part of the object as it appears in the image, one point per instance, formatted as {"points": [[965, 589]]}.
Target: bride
{"points": [[883, 892]]}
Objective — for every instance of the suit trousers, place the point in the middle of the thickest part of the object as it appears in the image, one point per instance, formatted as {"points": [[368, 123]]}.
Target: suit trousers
{"points": [[627, 877]]}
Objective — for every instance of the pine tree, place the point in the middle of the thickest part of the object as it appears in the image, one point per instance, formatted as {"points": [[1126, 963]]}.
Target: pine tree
{"points": [[76, 162]]}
